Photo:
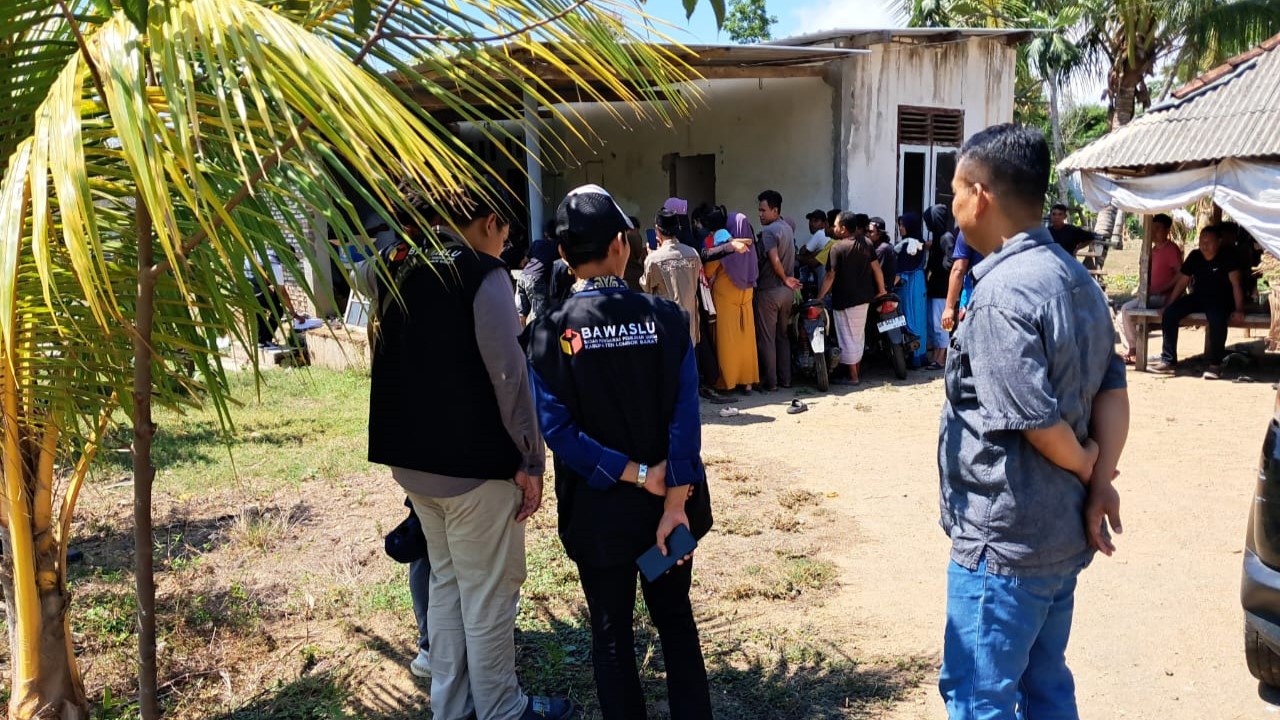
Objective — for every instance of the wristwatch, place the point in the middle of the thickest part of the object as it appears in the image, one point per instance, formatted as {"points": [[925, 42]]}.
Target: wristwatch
{"points": [[640, 476]]}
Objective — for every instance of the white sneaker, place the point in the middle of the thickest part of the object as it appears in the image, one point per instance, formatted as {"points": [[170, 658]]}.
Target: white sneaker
{"points": [[421, 665]]}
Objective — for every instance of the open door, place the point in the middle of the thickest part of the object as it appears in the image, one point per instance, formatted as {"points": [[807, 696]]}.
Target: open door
{"points": [[693, 177]]}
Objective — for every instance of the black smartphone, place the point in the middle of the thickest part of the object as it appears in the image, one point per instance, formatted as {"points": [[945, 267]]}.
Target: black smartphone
{"points": [[653, 564]]}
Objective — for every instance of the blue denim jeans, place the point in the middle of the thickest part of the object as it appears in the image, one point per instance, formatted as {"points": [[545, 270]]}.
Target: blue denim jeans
{"points": [[420, 591], [1004, 657]]}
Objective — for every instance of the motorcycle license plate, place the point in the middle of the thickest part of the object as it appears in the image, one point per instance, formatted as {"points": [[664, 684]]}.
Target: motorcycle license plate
{"points": [[891, 323], [819, 341]]}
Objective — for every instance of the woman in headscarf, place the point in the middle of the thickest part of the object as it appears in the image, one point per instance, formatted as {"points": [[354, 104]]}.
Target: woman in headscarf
{"points": [[733, 280], [911, 291], [941, 244]]}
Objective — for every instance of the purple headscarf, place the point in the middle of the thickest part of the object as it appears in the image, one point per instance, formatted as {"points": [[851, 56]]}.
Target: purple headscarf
{"points": [[743, 269], [676, 205]]}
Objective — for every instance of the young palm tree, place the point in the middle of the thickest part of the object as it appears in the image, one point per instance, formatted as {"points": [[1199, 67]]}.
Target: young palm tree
{"points": [[155, 153]]}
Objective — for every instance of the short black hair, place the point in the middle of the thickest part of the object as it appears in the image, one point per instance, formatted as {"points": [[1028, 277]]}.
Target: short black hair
{"points": [[879, 222], [1213, 230], [1015, 160], [583, 254], [772, 198], [832, 214], [549, 228], [1162, 219], [861, 221], [1058, 206], [847, 221]]}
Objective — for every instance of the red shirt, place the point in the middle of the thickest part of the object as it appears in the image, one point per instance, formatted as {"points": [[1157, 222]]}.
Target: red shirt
{"points": [[1166, 261]]}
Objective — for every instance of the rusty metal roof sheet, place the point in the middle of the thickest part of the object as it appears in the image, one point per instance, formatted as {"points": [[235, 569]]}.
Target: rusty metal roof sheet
{"points": [[1231, 111]]}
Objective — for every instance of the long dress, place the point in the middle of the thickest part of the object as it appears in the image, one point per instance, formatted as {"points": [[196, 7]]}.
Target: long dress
{"points": [[735, 330]]}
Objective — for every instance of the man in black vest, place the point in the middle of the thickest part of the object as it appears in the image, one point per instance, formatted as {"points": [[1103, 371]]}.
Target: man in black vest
{"points": [[450, 411], [616, 382]]}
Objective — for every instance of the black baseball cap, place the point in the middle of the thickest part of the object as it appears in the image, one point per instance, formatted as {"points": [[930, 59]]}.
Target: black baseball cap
{"points": [[588, 218], [817, 215]]}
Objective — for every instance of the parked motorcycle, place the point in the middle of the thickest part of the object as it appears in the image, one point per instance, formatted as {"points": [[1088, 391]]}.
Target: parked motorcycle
{"points": [[888, 335], [813, 349]]}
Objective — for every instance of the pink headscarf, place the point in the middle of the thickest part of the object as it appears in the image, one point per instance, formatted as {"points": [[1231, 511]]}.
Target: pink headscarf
{"points": [[676, 205]]}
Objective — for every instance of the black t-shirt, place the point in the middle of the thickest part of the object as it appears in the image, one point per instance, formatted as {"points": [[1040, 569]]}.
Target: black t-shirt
{"points": [[1070, 237], [938, 269], [1212, 278], [542, 256], [854, 283], [888, 263]]}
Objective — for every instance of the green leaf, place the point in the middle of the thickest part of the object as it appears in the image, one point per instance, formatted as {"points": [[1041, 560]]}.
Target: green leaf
{"points": [[103, 7], [361, 14], [136, 11], [717, 6]]}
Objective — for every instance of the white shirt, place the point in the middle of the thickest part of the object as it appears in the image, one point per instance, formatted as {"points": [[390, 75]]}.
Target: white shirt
{"points": [[816, 242]]}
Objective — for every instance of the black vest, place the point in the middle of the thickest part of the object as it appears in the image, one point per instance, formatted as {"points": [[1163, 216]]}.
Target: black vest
{"points": [[432, 407], [625, 399]]}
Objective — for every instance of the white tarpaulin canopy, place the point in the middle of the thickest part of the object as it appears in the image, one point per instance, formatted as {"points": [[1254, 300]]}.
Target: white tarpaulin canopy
{"points": [[1248, 190]]}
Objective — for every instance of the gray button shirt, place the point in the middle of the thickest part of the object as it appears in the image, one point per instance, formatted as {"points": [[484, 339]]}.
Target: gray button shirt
{"points": [[1036, 346]]}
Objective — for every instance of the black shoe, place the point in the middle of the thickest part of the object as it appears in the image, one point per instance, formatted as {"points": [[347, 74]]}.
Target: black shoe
{"points": [[548, 708], [1162, 368]]}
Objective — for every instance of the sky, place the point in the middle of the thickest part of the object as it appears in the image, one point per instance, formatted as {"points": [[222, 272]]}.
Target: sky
{"points": [[795, 17]]}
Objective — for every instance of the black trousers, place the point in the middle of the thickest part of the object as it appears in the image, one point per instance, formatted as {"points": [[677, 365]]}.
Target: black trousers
{"points": [[611, 598], [1217, 315]]}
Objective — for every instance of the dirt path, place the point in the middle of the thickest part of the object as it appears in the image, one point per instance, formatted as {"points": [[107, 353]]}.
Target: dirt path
{"points": [[1158, 627]]}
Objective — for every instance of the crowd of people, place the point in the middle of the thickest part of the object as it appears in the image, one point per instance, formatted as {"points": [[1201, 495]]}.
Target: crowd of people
{"points": [[740, 286], [615, 337]]}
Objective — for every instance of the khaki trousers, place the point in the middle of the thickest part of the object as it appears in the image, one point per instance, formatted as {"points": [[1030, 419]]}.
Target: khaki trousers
{"points": [[477, 567]]}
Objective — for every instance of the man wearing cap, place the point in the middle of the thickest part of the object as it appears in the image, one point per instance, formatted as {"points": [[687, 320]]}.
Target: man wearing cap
{"points": [[674, 270], [811, 268], [446, 337], [616, 384]]}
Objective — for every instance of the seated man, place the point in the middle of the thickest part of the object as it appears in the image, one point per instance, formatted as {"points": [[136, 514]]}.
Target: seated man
{"points": [[1216, 292], [1166, 261], [811, 269]]}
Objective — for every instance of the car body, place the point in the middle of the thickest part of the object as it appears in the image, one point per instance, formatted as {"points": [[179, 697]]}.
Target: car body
{"points": [[1260, 586]]}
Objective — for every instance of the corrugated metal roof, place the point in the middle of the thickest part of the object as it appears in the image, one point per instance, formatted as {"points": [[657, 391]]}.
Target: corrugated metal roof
{"points": [[1231, 111], [913, 34]]}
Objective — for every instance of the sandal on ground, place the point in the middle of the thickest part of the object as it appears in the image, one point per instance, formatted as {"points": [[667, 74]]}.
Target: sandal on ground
{"points": [[797, 407], [729, 412]]}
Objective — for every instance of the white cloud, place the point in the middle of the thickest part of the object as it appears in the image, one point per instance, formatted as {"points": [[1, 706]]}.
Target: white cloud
{"points": [[815, 15]]}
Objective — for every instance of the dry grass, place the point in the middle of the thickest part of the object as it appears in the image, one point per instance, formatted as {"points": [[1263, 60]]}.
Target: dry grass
{"points": [[277, 603]]}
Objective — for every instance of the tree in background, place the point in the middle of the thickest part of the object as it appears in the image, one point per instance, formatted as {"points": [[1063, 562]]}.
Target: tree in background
{"points": [[155, 155], [1129, 40], [749, 21]]}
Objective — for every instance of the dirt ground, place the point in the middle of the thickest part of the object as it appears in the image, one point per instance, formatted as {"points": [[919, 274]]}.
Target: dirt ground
{"points": [[1157, 629]]}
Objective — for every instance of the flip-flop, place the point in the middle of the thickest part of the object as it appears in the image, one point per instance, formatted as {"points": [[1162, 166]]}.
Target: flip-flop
{"points": [[729, 412], [797, 407]]}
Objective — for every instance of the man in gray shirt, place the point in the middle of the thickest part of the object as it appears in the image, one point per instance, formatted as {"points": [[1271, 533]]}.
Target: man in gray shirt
{"points": [[1035, 419], [451, 413], [775, 293]]}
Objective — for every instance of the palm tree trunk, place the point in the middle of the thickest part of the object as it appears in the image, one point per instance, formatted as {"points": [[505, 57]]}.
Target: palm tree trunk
{"points": [[1055, 123], [45, 680], [1125, 97], [144, 472]]}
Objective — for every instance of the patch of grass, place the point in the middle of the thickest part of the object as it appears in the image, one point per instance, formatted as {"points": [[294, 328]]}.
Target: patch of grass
{"points": [[305, 425], [794, 499], [786, 579], [746, 491], [108, 616], [743, 527], [734, 475], [786, 523], [391, 596], [259, 529], [1122, 286]]}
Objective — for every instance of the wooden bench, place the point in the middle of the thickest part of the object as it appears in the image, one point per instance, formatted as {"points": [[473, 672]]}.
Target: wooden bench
{"points": [[1146, 317]]}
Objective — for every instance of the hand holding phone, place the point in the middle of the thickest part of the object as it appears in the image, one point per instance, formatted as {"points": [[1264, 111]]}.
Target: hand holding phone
{"points": [[680, 543]]}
